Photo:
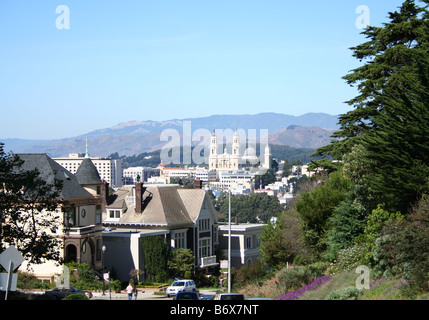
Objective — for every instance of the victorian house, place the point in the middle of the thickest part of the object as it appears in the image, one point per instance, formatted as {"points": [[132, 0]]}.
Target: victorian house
{"points": [[184, 218], [81, 230]]}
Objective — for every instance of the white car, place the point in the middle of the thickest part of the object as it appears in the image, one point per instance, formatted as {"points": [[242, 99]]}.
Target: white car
{"points": [[181, 285]]}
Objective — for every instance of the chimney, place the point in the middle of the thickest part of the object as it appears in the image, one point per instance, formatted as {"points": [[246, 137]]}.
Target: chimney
{"points": [[198, 184], [104, 195], [236, 220], [139, 197]]}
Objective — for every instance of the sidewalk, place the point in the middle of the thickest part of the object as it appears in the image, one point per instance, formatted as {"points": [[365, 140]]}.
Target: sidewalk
{"points": [[148, 294]]}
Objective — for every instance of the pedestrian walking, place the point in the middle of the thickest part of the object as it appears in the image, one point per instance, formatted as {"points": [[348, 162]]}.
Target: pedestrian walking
{"points": [[135, 293], [130, 291]]}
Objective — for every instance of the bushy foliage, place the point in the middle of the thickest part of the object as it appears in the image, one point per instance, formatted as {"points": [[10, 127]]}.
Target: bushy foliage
{"points": [[348, 258], [284, 280], [181, 263], [156, 255], [249, 274], [385, 289], [28, 280], [406, 244], [24, 196], [317, 206], [346, 224], [349, 293], [275, 249], [249, 208], [76, 296], [84, 278]]}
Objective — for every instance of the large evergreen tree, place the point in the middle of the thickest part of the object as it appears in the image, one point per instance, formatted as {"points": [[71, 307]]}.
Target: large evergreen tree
{"points": [[390, 116]]}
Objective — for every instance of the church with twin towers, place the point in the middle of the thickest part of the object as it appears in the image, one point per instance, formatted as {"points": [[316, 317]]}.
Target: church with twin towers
{"points": [[235, 160]]}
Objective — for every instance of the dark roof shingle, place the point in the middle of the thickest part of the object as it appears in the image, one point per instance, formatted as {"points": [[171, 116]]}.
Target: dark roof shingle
{"points": [[50, 171], [87, 173]]}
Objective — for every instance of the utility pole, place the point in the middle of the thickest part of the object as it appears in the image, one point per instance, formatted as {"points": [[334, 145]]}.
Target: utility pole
{"points": [[229, 244]]}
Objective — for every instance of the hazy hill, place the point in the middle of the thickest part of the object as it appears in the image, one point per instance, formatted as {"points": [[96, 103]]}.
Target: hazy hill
{"points": [[302, 137], [136, 137]]}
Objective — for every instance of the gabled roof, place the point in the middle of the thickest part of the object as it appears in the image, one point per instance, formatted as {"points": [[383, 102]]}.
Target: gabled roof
{"points": [[50, 170], [87, 173], [193, 200], [166, 205]]}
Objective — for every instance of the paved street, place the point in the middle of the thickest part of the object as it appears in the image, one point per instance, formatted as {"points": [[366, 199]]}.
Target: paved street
{"points": [[147, 295]]}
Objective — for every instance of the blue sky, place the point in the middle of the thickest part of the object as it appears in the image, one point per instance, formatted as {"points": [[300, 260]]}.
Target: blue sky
{"points": [[172, 59]]}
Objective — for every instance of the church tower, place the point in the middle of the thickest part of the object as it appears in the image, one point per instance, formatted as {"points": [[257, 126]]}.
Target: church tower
{"points": [[267, 157], [213, 152], [235, 157]]}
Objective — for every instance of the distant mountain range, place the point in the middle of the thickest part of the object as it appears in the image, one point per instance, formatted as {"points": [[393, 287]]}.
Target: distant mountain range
{"points": [[311, 130]]}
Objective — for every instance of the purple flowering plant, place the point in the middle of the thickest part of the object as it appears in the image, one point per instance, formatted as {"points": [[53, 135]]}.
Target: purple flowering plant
{"points": [[316, 283]]}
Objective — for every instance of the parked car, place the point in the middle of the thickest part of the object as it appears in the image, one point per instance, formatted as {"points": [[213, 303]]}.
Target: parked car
{"points": [[181, 285], [184, 295], [229, 296], [61, 293], [204, 296]]}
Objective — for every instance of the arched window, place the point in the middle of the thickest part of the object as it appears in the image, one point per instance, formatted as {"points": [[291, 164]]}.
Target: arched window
{"points": [[71, 253]]}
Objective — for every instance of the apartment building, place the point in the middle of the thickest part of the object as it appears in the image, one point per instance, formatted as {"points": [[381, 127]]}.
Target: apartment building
{"points": [[192, 173], [233, 179], [110, 170], [133, 175]]}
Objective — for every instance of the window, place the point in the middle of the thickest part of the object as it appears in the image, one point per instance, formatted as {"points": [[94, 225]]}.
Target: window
{"points": [[98, 215], [114, 214], [98, 249], [204, 224], [71, 218], [248, 242], [205, 247], [179, 240]]}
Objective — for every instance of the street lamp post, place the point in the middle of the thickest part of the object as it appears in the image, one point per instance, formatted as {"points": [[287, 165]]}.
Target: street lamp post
{"points": [[229, 243], [103, 249]]}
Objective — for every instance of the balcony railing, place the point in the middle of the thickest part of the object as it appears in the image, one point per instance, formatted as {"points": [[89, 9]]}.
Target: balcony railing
{"points": [[208, 261], [81, 230]]}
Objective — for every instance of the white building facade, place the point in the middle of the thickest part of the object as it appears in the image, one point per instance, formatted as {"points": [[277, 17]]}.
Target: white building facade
{"points": [[236, 160], [110, 170]]}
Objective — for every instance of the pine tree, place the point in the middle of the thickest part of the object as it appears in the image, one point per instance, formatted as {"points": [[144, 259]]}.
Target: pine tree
{"points": [[390, 118], [393, 51]]}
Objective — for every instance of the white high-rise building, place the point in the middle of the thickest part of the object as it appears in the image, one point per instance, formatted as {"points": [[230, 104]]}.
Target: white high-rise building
{"points": [[110, 170]]}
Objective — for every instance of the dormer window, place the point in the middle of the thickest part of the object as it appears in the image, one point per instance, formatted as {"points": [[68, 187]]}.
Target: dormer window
{"points": [[114, 214]]}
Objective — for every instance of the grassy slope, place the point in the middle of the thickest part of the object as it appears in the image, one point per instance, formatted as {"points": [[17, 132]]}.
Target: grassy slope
{"points": [[386, 290]]}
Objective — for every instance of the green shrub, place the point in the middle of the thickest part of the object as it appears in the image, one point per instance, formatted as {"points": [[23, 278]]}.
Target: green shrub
{"points": [[27, 280], [249, 274], [76, 296], [86, 277], [295, 278], [387, 289], [349, 258], [349, 293], [155, 285]]}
